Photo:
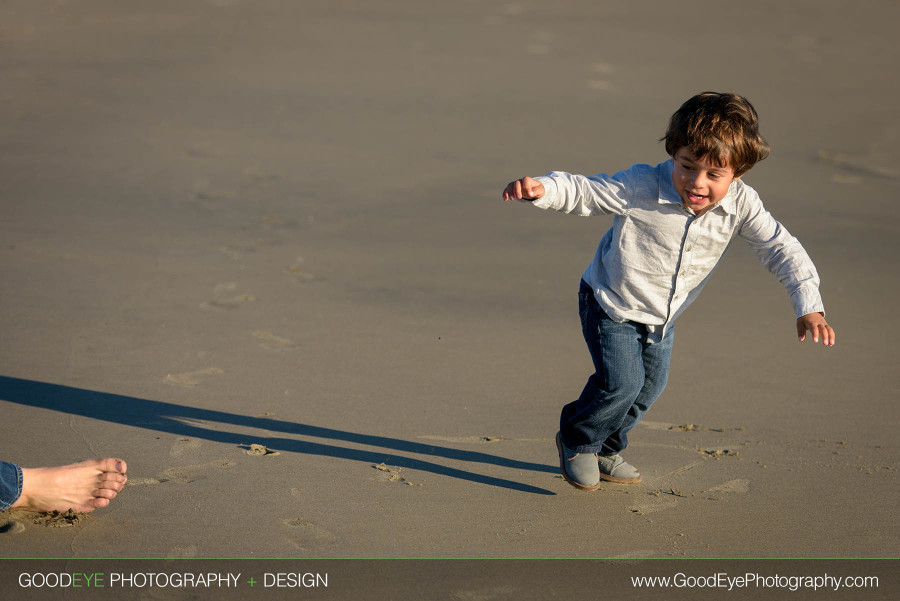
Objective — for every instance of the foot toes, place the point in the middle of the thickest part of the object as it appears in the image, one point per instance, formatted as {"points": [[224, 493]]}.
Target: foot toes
{"points": [[105, 493], [97, 503], [111, 465]]}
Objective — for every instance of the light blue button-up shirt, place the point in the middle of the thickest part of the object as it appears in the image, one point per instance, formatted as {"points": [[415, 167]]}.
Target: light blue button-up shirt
{"points": [[654, 261]]}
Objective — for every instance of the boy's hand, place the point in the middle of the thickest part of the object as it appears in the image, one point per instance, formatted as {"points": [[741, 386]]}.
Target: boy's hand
{"points": [[815, 323], [523, 189]]}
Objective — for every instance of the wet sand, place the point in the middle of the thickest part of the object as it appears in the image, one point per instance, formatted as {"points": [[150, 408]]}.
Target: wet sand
{"points": [[271, 223]]}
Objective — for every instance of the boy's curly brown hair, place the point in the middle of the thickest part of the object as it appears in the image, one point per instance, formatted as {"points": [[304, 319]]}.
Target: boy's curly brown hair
{"points": [[721, 126]]}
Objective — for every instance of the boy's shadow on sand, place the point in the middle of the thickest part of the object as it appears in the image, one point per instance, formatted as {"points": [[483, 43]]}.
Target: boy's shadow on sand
{"points": [[177, 419]]}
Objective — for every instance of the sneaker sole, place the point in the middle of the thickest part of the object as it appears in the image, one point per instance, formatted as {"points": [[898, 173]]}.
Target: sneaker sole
{"points": [[614, 480], [562, 467]]}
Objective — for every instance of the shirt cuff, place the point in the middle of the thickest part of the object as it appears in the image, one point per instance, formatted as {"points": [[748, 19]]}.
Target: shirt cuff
{"points": [[807, 300], [548, 200]]}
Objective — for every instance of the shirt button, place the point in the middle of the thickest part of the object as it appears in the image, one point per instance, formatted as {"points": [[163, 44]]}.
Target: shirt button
{"points": [[688, 247]]}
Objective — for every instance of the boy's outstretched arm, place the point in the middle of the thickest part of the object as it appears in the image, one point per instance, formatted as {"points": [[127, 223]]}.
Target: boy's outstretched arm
{"points": [[526, 188], [815, 323]]}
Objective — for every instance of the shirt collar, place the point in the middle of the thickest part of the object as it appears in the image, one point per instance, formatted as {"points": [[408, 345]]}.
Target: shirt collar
{"points": [[668, 193]]}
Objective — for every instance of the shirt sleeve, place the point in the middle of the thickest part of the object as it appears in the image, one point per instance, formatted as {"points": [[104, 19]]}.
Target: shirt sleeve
{"points": [[784, 257], [586, 196]]}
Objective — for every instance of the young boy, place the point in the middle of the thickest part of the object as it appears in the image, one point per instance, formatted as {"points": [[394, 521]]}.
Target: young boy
{"points": [[672, 224]]}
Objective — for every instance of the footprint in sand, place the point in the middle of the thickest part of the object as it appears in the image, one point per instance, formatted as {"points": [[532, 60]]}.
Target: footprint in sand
{"points": [[144, 481], [223, 288], [391, 474], [261, 450], [690, 428], [192, 378], [56, 519], [10, 526], [302, 533], [738, 486], [193, 473], [720, 452], [228, 303], [686, 428], [272, 341], [654, 503], [184, 444]]}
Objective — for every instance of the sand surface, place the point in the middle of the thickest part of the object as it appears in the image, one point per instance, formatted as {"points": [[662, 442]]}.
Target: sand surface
{"points": [[230, 223]]}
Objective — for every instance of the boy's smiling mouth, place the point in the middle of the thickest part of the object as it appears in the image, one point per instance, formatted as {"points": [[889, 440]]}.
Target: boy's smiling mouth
{"points": [[696, 198]]}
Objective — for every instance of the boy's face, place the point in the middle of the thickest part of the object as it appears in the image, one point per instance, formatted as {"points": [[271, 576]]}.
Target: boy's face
{"points": [[700, 183]]}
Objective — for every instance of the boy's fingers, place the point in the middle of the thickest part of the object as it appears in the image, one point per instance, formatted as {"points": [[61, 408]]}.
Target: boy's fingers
{"points": [[826, 332], [522, 189], [510, 191], [818, 330], [533, 188]]}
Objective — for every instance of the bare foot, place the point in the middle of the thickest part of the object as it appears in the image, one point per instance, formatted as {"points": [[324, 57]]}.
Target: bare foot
{"points": [[81, 487]]}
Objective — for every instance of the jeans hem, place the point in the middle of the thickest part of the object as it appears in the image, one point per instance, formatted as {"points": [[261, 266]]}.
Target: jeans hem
{"points": [[18, 492]]}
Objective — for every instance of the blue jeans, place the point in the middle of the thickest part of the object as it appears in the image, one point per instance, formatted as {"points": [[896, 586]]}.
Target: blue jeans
{"points": [[10, 484], [630, 373]]}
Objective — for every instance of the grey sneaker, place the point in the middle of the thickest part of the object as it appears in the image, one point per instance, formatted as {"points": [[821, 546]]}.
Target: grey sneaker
{"points": [[581, 470], [615, 469]]}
